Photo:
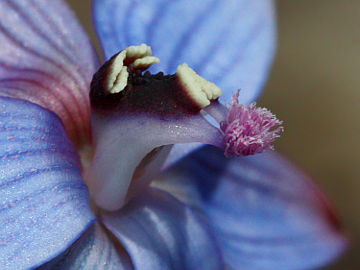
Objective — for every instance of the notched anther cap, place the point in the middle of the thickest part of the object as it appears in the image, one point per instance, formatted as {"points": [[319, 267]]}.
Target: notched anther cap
{"points": [[112, 77], [201, 91]]}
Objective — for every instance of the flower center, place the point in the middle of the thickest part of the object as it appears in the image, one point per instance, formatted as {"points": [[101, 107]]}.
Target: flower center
{"points": [[137, 117]]}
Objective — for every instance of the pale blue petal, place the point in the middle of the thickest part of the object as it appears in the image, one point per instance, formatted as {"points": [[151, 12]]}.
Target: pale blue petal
{"points": [[93, 251], [161, 233], [47, 58], [44, 204], [230, 42], [266, 213]]}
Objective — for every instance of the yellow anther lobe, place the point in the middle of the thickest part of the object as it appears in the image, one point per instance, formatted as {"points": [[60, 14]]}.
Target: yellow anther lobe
{"points": [[198, 89]]}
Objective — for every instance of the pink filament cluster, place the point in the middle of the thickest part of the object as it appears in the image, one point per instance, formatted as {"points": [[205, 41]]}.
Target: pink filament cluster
{"points": [[248, 129]]}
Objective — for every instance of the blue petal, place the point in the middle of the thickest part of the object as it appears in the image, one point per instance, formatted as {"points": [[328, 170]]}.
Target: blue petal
{"points": [[229, 42], [266, 214], [47, 58], [44, 204], [161, 233], [94, 250]]}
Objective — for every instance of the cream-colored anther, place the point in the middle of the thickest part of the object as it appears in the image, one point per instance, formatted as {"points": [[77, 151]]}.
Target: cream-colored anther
{"points": [[145, 62], [199, 89], [139, 57], [138, 51], [118, 74]]}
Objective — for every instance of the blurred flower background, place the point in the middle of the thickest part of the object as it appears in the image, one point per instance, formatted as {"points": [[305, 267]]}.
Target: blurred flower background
{"points": [[315, 88]]}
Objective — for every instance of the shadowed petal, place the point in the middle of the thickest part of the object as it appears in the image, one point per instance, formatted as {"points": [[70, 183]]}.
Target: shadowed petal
{"points": [[93, 251], [266, 213], [44, 204], [228, 42], [161, 233], [47, 59]]}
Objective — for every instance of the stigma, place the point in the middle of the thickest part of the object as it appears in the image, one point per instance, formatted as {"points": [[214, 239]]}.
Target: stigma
{"points": [[248, 129], [137, 117]]}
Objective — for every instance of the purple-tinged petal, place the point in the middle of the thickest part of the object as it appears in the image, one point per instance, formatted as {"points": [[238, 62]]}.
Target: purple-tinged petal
{"points": [[266, 214], [229, 42], [93, 251], [44, 205], [159, 232], [46, 58]]}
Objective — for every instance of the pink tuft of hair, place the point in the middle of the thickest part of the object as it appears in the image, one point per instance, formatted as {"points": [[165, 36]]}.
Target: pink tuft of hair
{"points": [[248, 129]]}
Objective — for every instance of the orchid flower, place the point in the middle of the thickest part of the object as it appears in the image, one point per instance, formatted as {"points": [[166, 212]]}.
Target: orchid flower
{"points": [[104, 166]]}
